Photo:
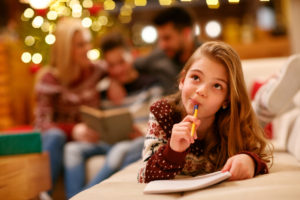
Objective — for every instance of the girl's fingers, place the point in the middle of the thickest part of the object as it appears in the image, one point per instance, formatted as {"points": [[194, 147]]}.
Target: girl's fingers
{"points": [[227, 166], [187, 123]]}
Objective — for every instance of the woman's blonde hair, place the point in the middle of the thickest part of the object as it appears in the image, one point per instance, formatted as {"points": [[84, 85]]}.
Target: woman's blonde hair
{"points": [[236, 128], [61, 60]]}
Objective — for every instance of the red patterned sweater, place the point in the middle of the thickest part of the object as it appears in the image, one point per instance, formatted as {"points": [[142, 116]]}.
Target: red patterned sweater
{"points": [[58, 106], [161, 162]]}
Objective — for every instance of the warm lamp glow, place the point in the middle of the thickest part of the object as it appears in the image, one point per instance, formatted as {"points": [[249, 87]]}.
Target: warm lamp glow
{"points": [[165, 2], [26, 57], [149, 34], [37, 22], [29, 40], [87, 3], [214, 4], [213, 29], [197, 30], [86, 22], [103, 20], [39, 4], [109, 5], [93, 54], [28, 13], [52, 15], [233, 1], [140, 2], [37, 58], [50, 39]]}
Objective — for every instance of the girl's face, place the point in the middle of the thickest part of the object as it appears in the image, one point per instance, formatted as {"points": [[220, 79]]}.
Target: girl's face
{"points": [[205, 84], [80, 46]]}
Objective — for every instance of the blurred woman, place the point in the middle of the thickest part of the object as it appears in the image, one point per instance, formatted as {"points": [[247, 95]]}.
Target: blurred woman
{"points": [[69, 82]]}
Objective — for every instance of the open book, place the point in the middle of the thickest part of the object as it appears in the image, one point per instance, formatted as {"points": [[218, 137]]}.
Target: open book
{"points": [[186, 184], [113, 125]]}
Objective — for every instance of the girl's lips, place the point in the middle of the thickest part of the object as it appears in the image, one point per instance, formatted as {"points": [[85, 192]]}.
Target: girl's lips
{"points": [[194, 102]]}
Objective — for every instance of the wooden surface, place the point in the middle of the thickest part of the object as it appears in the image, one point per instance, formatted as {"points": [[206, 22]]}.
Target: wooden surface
{"points": [[24, 176], [264, 48]]}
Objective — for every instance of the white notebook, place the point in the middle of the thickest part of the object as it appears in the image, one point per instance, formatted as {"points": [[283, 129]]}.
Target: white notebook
{"points": [[186, 184]]}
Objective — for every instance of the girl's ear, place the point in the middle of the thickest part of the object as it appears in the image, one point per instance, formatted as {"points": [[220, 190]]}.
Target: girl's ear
{"points": [[225, 104], [181, 83]]}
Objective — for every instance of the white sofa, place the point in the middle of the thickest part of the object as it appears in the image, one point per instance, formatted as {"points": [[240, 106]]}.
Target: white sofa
{"points": [[283, 181]]}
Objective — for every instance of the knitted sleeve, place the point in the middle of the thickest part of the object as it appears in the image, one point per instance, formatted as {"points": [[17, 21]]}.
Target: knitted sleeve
{"points": [[260, 166], [159, 160]]}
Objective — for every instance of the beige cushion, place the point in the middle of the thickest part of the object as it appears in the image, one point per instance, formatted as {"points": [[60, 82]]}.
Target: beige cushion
{"points": [[293, 144], [260, 69], [282, 125], [93, 166], [282, 183]]}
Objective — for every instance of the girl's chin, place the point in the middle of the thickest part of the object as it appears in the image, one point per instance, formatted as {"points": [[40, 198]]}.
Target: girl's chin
{"points": [[190, 109]]}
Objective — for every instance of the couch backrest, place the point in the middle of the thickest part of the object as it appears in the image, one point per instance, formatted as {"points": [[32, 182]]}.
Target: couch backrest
{"points": [[261, 69], [286, 128]]}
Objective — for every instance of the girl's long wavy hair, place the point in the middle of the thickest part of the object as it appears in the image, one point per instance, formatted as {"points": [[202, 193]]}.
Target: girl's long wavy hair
{"points": [[236, 128]]}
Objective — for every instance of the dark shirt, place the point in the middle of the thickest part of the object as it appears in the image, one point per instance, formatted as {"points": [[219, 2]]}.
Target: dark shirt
{"points": [[160, 66]]}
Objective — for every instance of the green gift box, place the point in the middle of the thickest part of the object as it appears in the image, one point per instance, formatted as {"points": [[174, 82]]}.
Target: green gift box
{"points": [[20, 143]]}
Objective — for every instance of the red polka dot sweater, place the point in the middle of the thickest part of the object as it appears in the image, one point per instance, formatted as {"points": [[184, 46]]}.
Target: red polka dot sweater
{"points": [[161, 162]]}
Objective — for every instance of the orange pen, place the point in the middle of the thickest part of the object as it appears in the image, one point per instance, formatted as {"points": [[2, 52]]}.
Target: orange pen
{"points": [[195, 115]]}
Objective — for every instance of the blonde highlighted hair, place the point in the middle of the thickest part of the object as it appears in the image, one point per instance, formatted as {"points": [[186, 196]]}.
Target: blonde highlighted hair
{"points": [[236, 128], [61, 58]]}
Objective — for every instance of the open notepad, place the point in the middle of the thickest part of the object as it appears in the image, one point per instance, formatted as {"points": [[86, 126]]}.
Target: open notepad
{"points": [[186, 184]]}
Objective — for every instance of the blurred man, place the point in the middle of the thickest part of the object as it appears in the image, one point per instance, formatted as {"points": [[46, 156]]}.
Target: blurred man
{"points": [[176, 43]]}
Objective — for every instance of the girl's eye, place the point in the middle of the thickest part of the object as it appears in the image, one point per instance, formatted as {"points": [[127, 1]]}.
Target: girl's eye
{"points": [[195, 77], [218, 86]]}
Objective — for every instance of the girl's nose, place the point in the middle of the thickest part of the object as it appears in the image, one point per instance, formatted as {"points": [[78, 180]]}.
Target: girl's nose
{"points": [[202, 90]]}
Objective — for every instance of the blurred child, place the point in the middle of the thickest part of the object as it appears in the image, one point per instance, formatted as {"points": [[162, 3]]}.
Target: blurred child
{"points": [[227, 137]]}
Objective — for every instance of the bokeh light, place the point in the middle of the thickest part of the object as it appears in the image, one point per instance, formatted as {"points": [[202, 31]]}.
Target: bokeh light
{"points": [[93, 54], [149, 34], [37, 22], [87, 3], [86, 22], [28, 13], [39, 4], [109, 5], [37, 58], [50, 39], [197, 30], [52, 15], [213, 29], [165, 2], [26, 57], [29, 40]]}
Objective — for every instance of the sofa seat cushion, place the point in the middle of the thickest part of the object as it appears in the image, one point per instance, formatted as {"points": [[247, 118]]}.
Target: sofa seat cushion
{"points": [[93, 166], [282, 183], [294, 138]]}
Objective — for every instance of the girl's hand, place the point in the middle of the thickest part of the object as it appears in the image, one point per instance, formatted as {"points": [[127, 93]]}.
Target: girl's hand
{"points": [[240, 166], [181, 137], [81, 132]]}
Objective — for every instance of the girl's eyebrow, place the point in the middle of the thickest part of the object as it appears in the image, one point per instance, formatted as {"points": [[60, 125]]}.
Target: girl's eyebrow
{"points": [[197, 70], [222, 80]]}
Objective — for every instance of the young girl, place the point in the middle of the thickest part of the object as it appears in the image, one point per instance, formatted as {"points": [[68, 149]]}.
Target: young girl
{"points": [[227, 137]]}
